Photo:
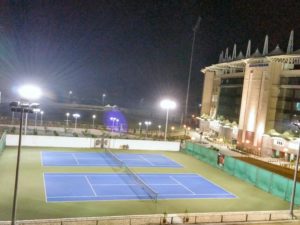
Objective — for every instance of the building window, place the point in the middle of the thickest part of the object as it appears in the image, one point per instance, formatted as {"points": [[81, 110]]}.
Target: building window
{"points": [[297, 108]]}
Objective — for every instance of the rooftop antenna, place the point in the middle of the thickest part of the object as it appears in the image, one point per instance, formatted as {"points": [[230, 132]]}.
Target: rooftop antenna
{"points": [[265, 50], [290, 46], [248, 52], [234, 52], [221, 57], [226, 54]]}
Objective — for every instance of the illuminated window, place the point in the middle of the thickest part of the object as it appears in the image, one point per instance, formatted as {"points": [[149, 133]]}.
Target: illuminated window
{"points": [[298, 106]]}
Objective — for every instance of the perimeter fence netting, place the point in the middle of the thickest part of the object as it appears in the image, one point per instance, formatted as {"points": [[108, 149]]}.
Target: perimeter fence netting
{"points": [[2, 142], [266, 180]]}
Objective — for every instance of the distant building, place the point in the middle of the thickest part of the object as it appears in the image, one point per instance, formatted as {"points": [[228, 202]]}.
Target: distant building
{"points": [[259, 91]]}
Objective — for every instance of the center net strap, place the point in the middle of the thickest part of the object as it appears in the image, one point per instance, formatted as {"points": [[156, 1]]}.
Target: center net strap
{"points": [[152, 194]]}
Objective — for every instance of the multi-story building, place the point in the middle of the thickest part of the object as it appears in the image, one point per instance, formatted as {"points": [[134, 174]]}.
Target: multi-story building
{"points": [[259, 91]]}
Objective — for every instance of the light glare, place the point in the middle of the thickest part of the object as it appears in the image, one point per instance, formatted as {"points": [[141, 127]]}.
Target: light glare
{"points": [[30, 92], [76, 115], [167, 104]]}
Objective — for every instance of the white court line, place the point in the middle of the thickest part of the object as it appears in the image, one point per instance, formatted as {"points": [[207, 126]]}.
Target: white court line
{"points": [[207, 181], [106, 196], [146, 160], [134, 184], [41, 155], [175, 162], [87, 179], [45, 190], [75, 158], [182, 185]]}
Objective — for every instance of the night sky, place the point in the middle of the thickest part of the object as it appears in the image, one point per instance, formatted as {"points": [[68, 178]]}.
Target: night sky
{"points": [[135, 51]]}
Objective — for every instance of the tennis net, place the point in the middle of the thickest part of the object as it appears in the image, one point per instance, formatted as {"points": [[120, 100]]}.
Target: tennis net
{"points": [[119, 162], [152, 194]]}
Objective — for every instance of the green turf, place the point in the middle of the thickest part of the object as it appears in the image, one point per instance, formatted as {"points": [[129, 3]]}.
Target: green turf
{"points": [[31, 197]]}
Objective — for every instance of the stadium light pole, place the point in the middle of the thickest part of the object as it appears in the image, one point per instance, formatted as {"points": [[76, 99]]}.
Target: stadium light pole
{"points": [[42, 113], [26, 119], [76, 116], [140, 127], [195, 29], [94, 117], [67, 121], [26, 92], [12, 118], [167, 104], [35, 116], [297, 124], [147, 123]]}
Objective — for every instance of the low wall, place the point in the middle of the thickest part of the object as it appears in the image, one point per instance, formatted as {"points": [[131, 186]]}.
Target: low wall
{"points": [[50, 141], [143, 144], [189, 218], [83, 142]]}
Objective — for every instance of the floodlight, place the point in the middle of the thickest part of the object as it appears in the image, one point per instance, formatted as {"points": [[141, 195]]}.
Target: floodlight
{"points": [[94, 116], [30, 92], [76, 115], [167, 104], [36, 110]]}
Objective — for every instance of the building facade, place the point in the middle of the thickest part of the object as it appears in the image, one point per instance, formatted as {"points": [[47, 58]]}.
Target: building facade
{"points": [[260, 92]]}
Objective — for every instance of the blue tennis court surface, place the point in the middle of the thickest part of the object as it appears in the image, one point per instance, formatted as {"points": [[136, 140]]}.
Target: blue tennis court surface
{"points": [[103, 159], [69, 187]]}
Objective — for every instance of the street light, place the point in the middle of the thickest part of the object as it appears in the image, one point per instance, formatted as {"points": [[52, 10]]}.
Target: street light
{"points": [[297, 124], [94, 117], [159, 127], [167, 105], [76, 116], [67, 121], [140, 127], [147, 123], [103, 97], [113, 119], [35, 116], [117, 120], [42, 113], [26, 94]]}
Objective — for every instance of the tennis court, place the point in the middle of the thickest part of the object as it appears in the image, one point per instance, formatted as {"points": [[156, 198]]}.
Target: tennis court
{"points": [[105, 159], [69, 187]]}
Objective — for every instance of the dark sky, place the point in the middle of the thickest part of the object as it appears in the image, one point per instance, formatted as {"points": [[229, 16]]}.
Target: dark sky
{"points": [[135, 51]]}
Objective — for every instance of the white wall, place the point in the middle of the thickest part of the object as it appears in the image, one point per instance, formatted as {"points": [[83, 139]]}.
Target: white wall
{"points": [[50, 141], [143, 144], [82, 142]]}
